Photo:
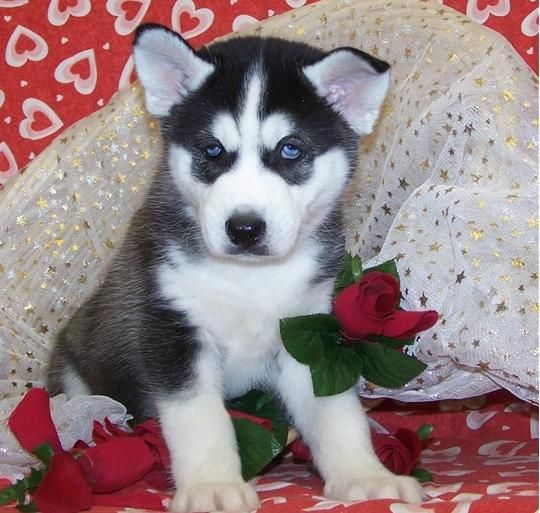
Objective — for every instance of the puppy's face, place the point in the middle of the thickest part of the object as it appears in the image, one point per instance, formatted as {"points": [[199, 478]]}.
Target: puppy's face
{"points": [[261, 134]]}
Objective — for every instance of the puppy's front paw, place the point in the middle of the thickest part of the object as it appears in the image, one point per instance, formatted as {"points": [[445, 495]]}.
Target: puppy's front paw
{"points": [[402, 488], [237, 497]]}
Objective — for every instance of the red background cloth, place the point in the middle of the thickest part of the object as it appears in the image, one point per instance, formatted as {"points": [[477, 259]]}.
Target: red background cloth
{"points": [[61, 60], [482, 460]]}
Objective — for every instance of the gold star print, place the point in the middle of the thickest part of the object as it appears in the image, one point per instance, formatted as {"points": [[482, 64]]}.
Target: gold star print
{"points": [[444, 175], [518, 262], [501, 307], [484, 366], [469, 129], [435, 247], [424, 164], [29, 308], [403, 183]]}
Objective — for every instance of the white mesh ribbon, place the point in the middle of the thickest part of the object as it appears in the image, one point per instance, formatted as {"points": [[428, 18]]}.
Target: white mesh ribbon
{"points": [[73, 420]]}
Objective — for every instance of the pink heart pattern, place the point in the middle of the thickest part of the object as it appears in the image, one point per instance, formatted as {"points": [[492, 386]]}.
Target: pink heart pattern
{"points": [[66, 58], [199, 20], [24, 45], [122, 10], [79, 69], [40, 120], [481, 10], [59, 15]]}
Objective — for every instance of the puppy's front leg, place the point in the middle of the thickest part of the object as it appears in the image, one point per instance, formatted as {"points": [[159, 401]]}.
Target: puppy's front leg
{"points": [[337, 432], [204, 458]]}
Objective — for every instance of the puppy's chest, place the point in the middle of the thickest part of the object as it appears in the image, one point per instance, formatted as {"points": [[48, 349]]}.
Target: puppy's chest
{"points": [[237, 308]]}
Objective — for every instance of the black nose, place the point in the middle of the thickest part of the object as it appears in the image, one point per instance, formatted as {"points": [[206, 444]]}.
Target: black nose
{"points": [[245, 230]]}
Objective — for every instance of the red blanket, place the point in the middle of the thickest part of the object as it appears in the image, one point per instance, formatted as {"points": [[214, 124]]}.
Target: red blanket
{"points": [[483, 460]]}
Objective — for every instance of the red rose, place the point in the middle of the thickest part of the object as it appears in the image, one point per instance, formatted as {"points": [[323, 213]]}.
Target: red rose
{"points": [[398, 453], [300, 450], [363, 308], [369, 307], [64, 488]]}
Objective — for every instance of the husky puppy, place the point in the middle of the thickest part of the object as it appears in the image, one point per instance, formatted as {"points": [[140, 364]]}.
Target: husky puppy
{"points": [[241, 227]]}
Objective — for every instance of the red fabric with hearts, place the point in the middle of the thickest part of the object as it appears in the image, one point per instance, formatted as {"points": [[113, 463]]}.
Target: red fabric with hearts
{"points": [[483, 455], [61, 60]]}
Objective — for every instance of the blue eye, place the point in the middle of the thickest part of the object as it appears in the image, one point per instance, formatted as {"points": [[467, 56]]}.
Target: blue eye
{"points": [[290, 152], [213, 151]]}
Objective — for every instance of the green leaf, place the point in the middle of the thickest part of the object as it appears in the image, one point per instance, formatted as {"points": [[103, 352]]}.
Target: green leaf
{"points": [[356, 268], [20, 488], [390, 342], [44, 453], [29, 507], [386, 367], [303, 336], [262, 404], [350, 273], [8, 495], [424, 431], [336, 372], [388, 267], [256, 445], [17, 492], [33, 480], [422, 475]]}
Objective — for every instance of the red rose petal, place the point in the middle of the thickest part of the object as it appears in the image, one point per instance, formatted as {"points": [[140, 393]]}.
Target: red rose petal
{"points": [[64, 488], [354, 324], [300, 450], [363, 308], [265, 423], [159, 479], [115, 464], [393, 454], [404, 325], [410, 440], [31, 421]]}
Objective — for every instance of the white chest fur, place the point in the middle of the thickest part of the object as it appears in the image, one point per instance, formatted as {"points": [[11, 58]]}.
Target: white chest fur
{"points": [[237, 306]]}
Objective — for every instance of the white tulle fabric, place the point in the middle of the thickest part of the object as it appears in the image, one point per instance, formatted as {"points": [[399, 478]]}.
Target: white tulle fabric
{"points": [[447, 185]]}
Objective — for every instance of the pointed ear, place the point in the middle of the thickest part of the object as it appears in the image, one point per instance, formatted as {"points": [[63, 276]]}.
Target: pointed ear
{"points": [[353, 83], [167, 67]]}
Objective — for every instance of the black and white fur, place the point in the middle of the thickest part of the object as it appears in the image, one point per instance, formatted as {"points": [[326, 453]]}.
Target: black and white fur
{"points": [[241, 227]]}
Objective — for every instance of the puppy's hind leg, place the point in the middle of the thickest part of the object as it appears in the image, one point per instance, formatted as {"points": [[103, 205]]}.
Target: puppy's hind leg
{"points": [[202, 443], [62, 377], [72, 383]]}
